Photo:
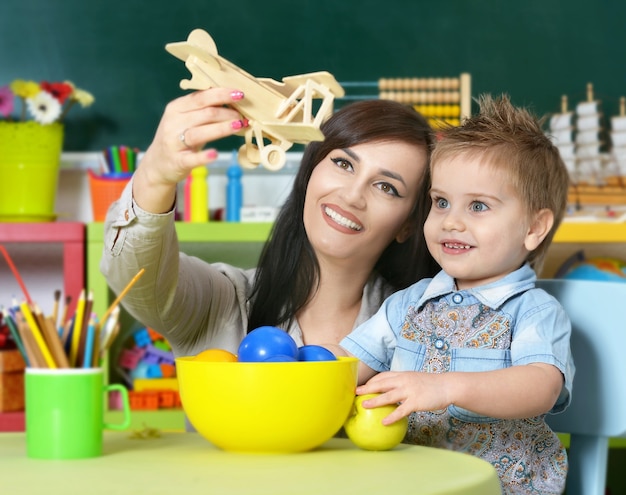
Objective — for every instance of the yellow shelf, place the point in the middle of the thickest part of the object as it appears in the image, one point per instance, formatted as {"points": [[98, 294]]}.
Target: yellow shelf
{"points": [[596, 232]]}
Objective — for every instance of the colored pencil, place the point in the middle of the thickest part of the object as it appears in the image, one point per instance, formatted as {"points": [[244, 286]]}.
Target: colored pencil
{"points": [[89, 343], [80, 357], [34, 328], [55, 307], [77, 327], [16, 274], [16, 337], [122, 294], [66, 307], [35, 357]]}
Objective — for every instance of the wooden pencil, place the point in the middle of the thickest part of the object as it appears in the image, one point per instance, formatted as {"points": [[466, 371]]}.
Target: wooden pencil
{"points": [[55, 307], [80, 357], [54, 342], [36, 331], [66, 307], [79, 315], [122, 294], [35, 357]]}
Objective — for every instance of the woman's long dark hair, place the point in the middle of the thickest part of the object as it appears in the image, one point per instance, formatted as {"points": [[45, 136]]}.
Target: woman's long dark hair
{"points": [[288, 270]]}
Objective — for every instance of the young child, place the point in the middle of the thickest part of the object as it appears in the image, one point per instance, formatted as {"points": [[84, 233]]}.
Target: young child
{"points": [[476, 356]]}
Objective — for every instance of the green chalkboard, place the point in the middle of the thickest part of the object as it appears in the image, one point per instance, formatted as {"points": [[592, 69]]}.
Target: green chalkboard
{"points": [[535, 50]]}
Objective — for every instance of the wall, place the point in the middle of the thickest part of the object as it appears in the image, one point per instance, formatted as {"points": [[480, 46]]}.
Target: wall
{"points": [[534, 50]]}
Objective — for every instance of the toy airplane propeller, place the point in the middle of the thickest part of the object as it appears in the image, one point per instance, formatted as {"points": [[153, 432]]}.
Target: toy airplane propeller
{"points": [[280, 113]]}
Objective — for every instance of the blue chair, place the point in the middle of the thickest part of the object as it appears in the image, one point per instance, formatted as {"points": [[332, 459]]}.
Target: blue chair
{"points": [[598, 407]]}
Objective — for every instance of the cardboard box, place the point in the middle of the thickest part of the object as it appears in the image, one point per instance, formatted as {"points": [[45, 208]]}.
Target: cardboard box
{"points": [[11, 391], [11, 381], [11, 361]]}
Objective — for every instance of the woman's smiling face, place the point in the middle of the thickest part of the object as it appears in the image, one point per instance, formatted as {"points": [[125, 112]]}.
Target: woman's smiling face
{"points": [[359, 199]]}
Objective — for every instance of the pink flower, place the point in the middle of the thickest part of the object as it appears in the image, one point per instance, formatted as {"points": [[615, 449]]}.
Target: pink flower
{"points": [[6, 101]]}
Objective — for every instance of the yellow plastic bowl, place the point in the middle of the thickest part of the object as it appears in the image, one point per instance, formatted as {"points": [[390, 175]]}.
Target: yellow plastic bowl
{"points": [[278, 407]]}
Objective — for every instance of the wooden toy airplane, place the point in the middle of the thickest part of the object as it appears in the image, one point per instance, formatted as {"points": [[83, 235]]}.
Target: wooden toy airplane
{"points": [[280, 113]]}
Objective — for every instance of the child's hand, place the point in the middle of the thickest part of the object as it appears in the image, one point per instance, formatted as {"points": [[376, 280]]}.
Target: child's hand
{"points": [[411, 390]]}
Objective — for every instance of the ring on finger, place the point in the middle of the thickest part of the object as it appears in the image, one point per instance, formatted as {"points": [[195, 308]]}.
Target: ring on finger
{"points": [[181, 138]]}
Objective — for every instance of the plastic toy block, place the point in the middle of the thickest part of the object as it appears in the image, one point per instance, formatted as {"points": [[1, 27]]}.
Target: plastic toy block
{"points": [[130, 358], [115, 400], [154, 335], [151, 399], [167, 370], [161, 356], [141, 371], [154, 371], [168, 398], [162, 345], [146, 400], [151, 359], [142, 337], [135, 401], [141, 384]]}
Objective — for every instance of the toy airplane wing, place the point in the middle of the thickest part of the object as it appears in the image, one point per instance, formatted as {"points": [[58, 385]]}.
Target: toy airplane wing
{"points": [[290, 84], [294, 132]]}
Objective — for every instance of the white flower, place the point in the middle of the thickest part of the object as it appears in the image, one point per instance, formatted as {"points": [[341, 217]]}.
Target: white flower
{"points": [[44, 107]]}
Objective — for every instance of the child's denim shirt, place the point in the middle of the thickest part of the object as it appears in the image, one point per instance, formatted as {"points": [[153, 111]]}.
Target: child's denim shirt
{"points": [[506, 323]]}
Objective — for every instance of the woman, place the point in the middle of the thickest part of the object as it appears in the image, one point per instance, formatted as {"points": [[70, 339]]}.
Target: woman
{"points": [[349, 234]]}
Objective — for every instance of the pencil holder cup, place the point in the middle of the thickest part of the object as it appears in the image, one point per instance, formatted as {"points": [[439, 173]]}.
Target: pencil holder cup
{"points": [[30, 156], [105, 189], [65, 412]]}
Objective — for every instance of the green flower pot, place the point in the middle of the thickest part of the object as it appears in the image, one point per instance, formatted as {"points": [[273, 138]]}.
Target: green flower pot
{"points": [[30, 155]]}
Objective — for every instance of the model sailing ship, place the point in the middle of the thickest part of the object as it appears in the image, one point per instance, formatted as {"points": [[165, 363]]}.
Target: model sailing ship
{"points": [[597, 168]]}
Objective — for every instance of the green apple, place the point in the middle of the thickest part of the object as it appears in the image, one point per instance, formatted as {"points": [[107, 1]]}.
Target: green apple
{"points": [[366, 430]]}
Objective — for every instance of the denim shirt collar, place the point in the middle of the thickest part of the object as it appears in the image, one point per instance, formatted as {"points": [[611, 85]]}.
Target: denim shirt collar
{"points": [[492, 295]]}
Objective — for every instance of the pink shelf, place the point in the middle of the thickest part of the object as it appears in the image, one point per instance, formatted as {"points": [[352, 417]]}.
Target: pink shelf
{"points": [[12, 421], [72, 236]]}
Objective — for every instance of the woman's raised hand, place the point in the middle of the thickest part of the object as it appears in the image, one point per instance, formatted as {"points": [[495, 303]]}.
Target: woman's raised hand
{"points": [[187, 125]]}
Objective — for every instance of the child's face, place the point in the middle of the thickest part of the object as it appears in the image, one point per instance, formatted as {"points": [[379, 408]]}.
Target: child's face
{"points": [[478, 229]]}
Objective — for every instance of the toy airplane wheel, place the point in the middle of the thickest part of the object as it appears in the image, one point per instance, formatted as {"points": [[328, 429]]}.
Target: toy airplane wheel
{"points": [[248, 156], [273, 157]]}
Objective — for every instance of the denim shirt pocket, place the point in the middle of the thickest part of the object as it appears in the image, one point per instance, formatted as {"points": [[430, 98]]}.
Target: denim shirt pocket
{"points": [[408, 356], [473, 360]]}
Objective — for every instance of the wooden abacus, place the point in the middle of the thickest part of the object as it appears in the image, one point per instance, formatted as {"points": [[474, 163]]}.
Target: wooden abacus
{"points": [[442, 100]]}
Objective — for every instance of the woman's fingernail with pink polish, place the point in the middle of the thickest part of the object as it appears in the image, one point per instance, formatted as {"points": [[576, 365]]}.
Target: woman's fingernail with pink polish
{"points": [[211, 154], [237, 95], [237, 124]]}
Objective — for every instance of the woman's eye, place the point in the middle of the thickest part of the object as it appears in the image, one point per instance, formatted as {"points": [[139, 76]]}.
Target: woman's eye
{"points": [[479, 206], [441, 203], [388, 189], [342, 163]]}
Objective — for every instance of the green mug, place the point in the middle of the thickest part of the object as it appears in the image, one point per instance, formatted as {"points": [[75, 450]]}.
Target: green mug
{"points": [[65, 412]]}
